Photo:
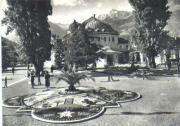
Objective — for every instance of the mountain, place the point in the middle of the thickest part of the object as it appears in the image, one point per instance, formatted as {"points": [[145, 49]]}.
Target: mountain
{"points": [[57, 30], [121, 21], [64, 26]]}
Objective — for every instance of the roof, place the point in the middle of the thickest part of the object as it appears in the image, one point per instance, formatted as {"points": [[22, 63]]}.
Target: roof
{"points": [[95, 25]]}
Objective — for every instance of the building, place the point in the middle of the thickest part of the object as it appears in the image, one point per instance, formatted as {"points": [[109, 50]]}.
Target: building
{"points": [[115, 48]]}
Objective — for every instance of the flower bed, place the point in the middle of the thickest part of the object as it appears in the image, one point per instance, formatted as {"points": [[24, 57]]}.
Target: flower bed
{"points": [[58, 106]]}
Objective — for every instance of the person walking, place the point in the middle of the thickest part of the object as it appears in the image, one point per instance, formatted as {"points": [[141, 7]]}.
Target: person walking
{"points": [[109, 70], [28, 73], [13, 70], [52, 68], [5, 82], [47, 79], [32, 78]]}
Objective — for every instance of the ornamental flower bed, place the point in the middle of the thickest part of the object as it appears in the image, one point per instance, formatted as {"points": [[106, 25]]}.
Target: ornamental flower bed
{"points": [[62, 106]]}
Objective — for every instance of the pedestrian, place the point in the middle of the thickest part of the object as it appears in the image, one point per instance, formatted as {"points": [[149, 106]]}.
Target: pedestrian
{"points": [[13, 70], [5, 82], [144, 74], [109, 73], [32, 78], [52, 68], [28, 73], [47, 79]]}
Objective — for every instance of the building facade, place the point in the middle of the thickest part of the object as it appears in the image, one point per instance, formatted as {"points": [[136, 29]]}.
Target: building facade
{"points": [[116, 49]]}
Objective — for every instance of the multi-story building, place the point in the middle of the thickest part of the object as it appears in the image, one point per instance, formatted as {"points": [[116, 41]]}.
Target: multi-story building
{"points": [[115, 48]]}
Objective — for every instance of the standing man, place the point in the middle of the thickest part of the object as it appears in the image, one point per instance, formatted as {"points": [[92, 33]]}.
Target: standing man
{"points": [[109, 73], [32, 78], [13, 70], [143, 74], [47, 79], [5, 82], [52, 68]]}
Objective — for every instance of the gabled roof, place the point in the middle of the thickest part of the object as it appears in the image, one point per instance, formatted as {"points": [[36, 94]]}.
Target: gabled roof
{"points": [[95, 25]]}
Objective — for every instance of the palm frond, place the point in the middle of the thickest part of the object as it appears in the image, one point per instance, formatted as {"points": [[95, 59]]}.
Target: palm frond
{"points": [[73, 77]]}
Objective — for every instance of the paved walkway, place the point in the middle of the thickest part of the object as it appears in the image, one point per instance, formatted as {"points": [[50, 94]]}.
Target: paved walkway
{"points": [[159, 105], [20, 74]]}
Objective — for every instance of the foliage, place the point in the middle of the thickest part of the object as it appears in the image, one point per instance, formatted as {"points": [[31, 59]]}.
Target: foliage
{"points": [[29, 18], [9, 55], [73, 78], [59, 53], [150, 19], [80, 51], [167, 43]]}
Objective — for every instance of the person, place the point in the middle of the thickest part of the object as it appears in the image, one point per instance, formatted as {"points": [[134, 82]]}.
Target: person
{"points": [[28, 73], [52, 68], [5, 82], [32, 78], [144, 74], [47, 79], [13, 70], [109, 73]]}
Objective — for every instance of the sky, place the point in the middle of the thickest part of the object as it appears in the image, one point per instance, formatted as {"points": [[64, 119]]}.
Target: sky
{"points": [[65, 11]]}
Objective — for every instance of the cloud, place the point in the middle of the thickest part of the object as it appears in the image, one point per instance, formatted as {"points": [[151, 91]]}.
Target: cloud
{"points": [[68, 2], [67, 10]]}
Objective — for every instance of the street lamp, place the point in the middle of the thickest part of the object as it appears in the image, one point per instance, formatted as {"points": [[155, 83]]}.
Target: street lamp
{"points": [[177, 56]]}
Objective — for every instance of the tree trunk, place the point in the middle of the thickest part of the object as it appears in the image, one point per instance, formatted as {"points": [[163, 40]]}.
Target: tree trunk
{"points": [[151, 62], [86, 65], [39, 68], [72, 87]]}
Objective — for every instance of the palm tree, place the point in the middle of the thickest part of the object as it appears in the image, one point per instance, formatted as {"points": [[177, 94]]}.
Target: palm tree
{"points": [[73, 78]]}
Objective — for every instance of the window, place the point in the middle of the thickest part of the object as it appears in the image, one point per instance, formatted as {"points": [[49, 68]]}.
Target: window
{"points": [[126, 46], [109, 39], [104, 38], [113, 39]]}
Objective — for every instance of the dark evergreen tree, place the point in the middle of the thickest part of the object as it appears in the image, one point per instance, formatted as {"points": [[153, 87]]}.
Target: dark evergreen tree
{"points": [[150, 19], [59, 53], [9, 53]]}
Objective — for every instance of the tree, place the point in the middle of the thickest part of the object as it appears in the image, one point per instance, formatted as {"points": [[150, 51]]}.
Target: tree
{"points": [[167, 43], [59, 53], [150, 19], [29, 18], [80, 51], [73, 78], [9, 55]]}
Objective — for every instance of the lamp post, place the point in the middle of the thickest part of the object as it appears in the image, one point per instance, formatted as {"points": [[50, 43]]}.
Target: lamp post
{"points": [[177, 56]]}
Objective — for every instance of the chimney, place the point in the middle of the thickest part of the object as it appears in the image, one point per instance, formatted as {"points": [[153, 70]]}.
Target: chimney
{"points": [[94, 15]]}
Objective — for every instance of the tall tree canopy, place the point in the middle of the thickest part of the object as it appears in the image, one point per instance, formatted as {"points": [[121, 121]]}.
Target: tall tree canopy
{"points": [[150, 19], [9, 53], [29, 18], [80, 51], [59, 52]]}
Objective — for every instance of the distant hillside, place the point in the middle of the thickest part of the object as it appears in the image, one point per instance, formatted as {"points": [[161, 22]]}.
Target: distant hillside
{"points": [[8, 42], [64, 26], [55, 29], [122, 21]]}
